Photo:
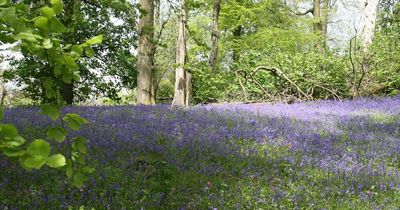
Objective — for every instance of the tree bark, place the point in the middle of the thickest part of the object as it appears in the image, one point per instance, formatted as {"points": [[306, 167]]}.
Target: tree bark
{"points": [[145, 58], [325, 19], [182, 78], [157, 12], [369, 17], [237, 33], [317, 24], [214, 35], [67, 90]]}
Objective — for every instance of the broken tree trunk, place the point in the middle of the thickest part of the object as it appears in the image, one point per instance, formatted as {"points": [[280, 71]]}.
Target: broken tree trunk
{"points": [[369, 17], [182, 78]]}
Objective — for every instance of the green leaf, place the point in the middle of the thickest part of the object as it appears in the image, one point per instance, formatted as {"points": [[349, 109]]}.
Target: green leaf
{"points": [[48, 84], [47, 44], [79, 144], [56, 161], [39, 147], [76, 50], [41, 22], [79, 179], [57, 6], [55, 25], [52, 111], [35, 162], [22, 160], [76, 77], [89, 52], [74, 121], [3, 2], [78, 157], [70, 63], [12, 152], [95, 40], [67, 77], [9, 131], [70, 169], [16, 141], [28, 37], [47, 11], [88, 170], [58, 70], [53, 2], [57, 133]]}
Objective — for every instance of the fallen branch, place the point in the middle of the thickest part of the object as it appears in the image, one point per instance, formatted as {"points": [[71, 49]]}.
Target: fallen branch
{"points": [[241, 85], [278, 72]]}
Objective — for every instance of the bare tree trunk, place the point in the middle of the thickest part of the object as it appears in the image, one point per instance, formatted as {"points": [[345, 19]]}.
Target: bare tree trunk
{"points": [[369, 17], [3, 90], [145, 60], [317, 24], [157, 21], [325, 19], [214, 35], [157, 13], [188, 88], [182, 83]]}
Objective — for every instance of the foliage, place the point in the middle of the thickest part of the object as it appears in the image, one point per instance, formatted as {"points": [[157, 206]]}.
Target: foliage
{"points": [[251, 37], [104, 69], [38, 37], [385, 52]]}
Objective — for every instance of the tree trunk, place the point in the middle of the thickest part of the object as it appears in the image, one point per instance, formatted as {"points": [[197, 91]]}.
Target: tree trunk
{"points": [[188, 98], [317, 24], [3, 89], [214, 35], [369, 17], [325, 19], [182, 78], [145, 58], [67, 90], [237, 33], [157, 13]]}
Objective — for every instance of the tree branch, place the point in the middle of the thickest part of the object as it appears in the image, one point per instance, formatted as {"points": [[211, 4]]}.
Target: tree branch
{"points": [[311, 10]]}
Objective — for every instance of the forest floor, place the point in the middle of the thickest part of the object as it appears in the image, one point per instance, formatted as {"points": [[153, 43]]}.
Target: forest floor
{"points": [[314, 155]]}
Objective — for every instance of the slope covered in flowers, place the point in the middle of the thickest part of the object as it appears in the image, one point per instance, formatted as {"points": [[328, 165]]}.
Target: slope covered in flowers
{"points": [[322, 154]]}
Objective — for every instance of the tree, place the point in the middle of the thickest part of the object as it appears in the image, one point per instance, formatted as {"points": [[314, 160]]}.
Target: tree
{"points": [[214, 34], [146, 50], [104, 69], [320, 22], [369, 17], [39, 37], [182, 77]]}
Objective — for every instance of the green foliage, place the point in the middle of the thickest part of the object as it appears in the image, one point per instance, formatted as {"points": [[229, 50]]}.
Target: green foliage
{"points": [[57, 133], [166, 89], [385, 58], [40, 40], [56, 161], [210, 86], [82, 20], [74, 121], [51, 111]]}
